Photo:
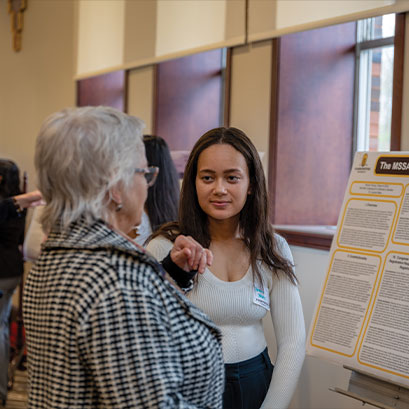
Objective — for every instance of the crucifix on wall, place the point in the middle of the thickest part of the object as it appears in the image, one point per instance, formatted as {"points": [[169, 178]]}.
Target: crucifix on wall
{"points": [[16, 10]]}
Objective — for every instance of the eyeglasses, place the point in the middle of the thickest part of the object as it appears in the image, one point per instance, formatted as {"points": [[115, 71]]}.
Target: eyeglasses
{"points": [[150, 174]]}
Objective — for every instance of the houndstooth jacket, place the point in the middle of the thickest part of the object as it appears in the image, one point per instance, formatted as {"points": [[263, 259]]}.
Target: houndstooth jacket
{"points": [[105, 329]]}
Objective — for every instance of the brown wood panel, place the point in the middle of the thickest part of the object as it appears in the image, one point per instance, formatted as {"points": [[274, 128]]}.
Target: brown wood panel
{"points": [[188, 98], [397, 97], [107, 89], [311, 128]]}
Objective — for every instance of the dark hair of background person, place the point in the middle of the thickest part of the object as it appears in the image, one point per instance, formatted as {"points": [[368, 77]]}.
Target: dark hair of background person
{"points": [[9, 179], [163, 197], [255, 227]]}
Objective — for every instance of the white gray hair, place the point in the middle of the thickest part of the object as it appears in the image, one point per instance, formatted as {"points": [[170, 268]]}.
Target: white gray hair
{"points": [[81, 153]]}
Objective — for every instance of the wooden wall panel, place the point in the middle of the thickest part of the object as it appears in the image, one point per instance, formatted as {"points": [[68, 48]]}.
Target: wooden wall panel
{"points": [[188, 98], [141, 94], [312, 124], [107, 89]]}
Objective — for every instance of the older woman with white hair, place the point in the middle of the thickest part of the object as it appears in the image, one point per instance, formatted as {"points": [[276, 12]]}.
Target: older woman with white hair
{"points": [[104, 326]]}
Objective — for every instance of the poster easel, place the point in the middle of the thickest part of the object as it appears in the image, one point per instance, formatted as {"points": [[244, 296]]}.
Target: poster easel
{"points": [[361, 320], [375, 391]]}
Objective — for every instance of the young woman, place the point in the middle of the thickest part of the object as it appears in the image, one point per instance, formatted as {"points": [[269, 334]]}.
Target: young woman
{"points": [[224, 206]]}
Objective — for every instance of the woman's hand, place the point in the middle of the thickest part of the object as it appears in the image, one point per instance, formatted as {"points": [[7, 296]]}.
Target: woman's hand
{"points": [[189, 255]]}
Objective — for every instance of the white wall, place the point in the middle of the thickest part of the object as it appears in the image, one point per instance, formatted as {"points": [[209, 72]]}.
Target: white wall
{"points": [[297, 12], [36, 81], [183, 25], [140, 30], [100, 34], [262, 17]]}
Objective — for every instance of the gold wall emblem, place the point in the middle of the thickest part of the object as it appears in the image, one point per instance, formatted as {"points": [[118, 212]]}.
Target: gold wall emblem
{"points": [[16, 10]]}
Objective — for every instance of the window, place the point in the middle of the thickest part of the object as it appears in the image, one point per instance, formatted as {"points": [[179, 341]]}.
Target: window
{"points": [[374, 83], [314, 111]]}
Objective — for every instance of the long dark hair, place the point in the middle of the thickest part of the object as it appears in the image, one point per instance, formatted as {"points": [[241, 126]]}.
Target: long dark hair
{"points": [[10, 179], [255, 227], [163, 197]]}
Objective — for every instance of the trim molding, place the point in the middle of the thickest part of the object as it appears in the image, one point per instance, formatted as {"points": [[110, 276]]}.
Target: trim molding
{"points": [[143, 62], [316, 240]]}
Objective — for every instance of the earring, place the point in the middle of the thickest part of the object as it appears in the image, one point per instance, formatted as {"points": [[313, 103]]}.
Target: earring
{"points": [[118, 207]]}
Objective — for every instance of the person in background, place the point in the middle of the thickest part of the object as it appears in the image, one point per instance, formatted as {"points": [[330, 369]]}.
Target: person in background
{"points": [[224, 206], [11, 260], [13, 206], [104, 326], [163, 197]]}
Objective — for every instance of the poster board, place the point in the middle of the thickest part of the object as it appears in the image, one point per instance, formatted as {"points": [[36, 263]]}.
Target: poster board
{"points": [[361, 319]]}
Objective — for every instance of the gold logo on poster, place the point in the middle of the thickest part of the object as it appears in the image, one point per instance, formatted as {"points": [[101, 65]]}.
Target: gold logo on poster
{"points": [[364, 159]]}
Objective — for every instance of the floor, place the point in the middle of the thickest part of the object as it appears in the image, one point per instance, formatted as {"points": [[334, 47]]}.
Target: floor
{"points": [[17, 397]]}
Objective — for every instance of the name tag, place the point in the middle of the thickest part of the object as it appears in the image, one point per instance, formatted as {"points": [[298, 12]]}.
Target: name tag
{"points": [[261, 296]]}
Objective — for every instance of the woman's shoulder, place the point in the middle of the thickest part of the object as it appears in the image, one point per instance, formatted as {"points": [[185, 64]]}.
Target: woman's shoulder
{"points": [[282, 247], [114, 270], [133, 262]]}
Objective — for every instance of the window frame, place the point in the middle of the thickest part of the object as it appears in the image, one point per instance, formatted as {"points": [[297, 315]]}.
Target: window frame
{"points": [[359, 48]]}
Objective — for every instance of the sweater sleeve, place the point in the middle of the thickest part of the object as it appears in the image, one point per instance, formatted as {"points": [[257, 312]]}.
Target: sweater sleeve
{"points": [[159, 247], [289, 327]]}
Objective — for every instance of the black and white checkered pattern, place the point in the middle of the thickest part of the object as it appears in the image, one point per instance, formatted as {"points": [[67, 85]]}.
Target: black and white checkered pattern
{"points": [[105, 330]]}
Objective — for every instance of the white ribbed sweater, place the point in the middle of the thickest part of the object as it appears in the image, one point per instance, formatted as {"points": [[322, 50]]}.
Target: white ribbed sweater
{"points": [[230, 305]]}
